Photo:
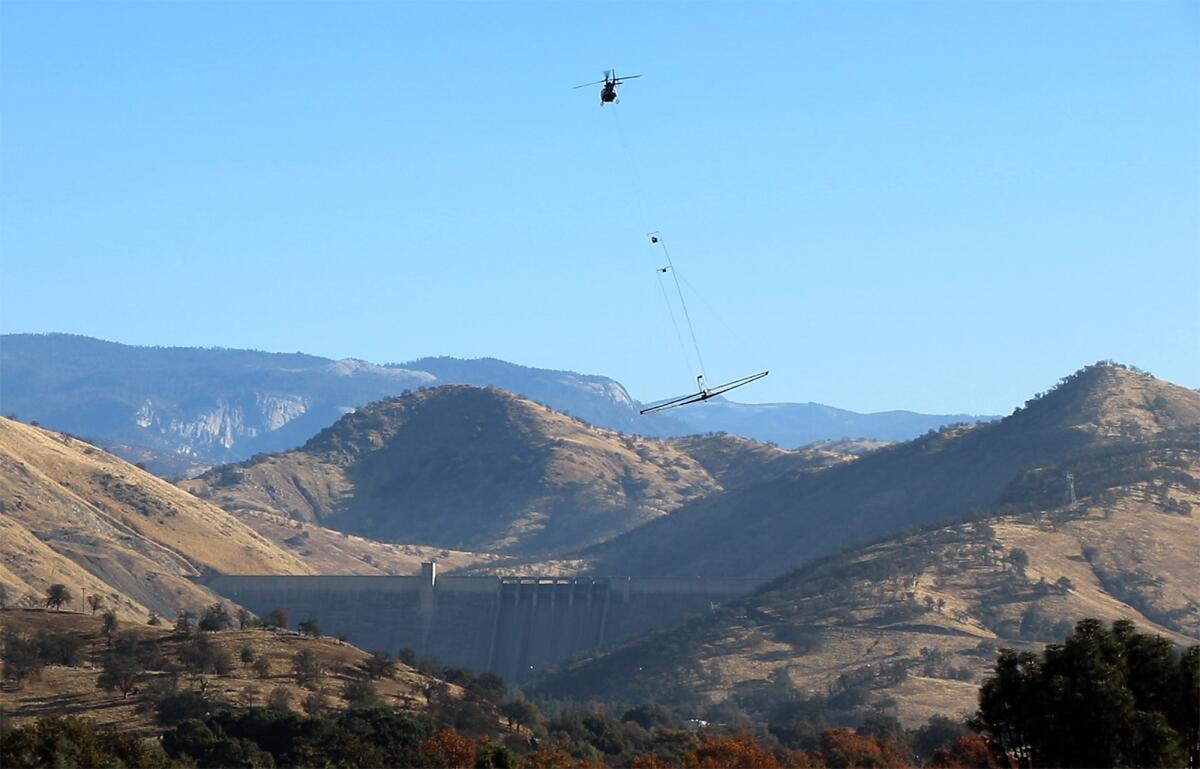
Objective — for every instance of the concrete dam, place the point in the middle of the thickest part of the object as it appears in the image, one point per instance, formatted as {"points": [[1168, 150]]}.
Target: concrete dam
{"points": [[512, 626]]}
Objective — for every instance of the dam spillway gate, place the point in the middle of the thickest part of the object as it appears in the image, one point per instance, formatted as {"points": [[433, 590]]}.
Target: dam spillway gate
{"points": [[512, 626]]}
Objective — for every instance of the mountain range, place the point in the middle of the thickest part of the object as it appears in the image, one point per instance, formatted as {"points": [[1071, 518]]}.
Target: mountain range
{"points": [[897, 569], [771, 527], [1079, 505], [175, 409]]}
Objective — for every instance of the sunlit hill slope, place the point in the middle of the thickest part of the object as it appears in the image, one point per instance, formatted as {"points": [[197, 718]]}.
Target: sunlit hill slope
{"points": [[485, 470]]}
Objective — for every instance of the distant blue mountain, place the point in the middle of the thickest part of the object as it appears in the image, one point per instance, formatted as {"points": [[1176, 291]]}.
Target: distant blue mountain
{"points": [[173, 405]]}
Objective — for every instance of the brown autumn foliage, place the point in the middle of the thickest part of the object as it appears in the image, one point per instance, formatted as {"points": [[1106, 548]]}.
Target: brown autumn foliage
{"points": [[450, 749], [841, 747], [968, 753], [648, 761], [547, 758], [740, 751]]}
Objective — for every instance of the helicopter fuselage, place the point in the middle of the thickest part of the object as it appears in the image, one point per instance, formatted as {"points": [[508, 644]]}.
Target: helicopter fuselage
{"points": [[608, 93]]}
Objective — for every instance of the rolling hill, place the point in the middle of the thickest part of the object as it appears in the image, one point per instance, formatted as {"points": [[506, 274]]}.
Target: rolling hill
{"points": [[72, 513], [911, 623], [75, 514], [486, 470], [72, 689], [769, 528]]}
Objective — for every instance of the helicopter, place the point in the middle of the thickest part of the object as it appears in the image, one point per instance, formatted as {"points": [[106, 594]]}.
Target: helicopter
{"points": [[609, 92]]}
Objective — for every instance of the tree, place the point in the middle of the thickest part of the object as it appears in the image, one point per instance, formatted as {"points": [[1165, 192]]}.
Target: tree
{"points": [[3, 596], [121, 671], [61, 649], [74, 741], [95, 603], [244, 618], [308, 668], [969, 752], [1019, 560], [246, 654], [379, 665], [280, 699], [310, 627], [177, 707], [109, 628], [21, 658], [548, 758], [215, 617], [519, 713], [360, 694], [1104, 697], [448, 748], [184, 623], [731, 752], [938, 732], [262, 667], [315, 704], [154, 619], [56, 595], [276, 618]]}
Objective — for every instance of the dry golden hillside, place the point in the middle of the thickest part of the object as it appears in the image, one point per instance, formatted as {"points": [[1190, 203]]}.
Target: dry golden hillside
{"points": [[912, 623], [768, 528], [63, 690], [76, 515], [483, 470], [918, 619], [335, 552]]}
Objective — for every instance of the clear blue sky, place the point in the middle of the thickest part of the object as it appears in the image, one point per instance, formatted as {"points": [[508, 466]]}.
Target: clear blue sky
{"points": [[934, 206]]}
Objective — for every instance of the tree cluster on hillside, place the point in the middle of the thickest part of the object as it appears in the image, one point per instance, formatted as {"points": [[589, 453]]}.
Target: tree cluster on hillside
{"points": [[1104, 697]]}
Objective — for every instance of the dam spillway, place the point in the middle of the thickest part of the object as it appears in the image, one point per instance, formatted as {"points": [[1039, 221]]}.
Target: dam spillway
{"points": [[512, 626]]}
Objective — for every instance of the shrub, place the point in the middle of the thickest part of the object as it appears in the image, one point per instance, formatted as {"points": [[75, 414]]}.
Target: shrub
{"points": [[280, 699]]}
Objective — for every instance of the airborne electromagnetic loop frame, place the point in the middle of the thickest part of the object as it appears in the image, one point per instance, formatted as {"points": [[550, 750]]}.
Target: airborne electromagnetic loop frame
{"points": [[608, 94]]}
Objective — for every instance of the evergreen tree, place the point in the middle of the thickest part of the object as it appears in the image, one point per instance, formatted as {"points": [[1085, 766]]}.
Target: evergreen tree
{"points": [[1104, 697]]}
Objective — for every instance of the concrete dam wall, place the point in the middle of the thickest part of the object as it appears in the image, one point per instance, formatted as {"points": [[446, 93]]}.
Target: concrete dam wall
{"points": [[513, 626]]}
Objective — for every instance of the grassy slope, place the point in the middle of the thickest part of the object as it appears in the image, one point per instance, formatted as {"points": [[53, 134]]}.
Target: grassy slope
{"points": [[483, 470], [859, 620], [78, 515], [769, 528], [63, 690]]}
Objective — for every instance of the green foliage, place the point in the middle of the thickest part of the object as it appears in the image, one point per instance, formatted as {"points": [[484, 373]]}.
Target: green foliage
{"points": [[650, 715], [177, 707], [22, 658], [310, 627], [519, 713], [122, 671], [262, 667], [280, 699], [308, 668], [379, 665], [109, 627], [215, 617], [56, 595], [61, 649], [67, 741], [212, 747], [201, 655], [276, 618], [1105, 697], [360, 694]]}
